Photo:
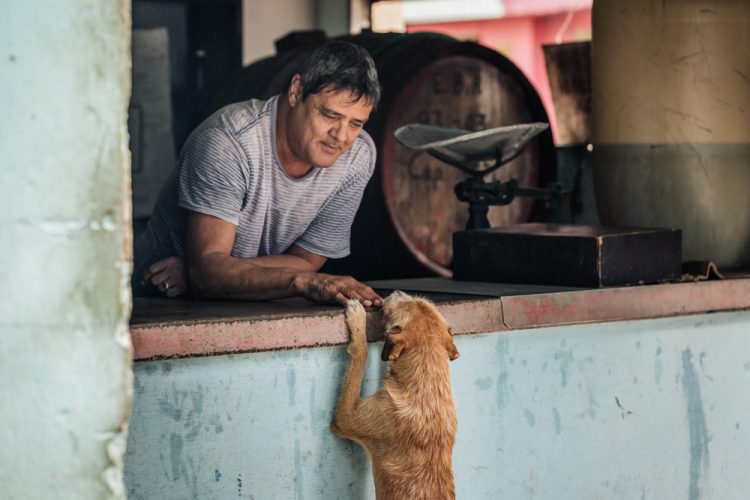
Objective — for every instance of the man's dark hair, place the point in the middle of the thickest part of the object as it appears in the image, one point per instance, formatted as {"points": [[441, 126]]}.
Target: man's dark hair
{"points": [[340, 65]]}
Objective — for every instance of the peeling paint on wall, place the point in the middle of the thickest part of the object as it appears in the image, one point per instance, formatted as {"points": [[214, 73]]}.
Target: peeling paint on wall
{"points": [[697, 427]]}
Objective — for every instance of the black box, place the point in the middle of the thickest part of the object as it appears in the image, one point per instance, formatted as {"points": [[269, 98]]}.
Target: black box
{"points": [[567, 255]]}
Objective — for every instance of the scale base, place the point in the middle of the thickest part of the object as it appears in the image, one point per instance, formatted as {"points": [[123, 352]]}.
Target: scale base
{"points": [[568, 255]]}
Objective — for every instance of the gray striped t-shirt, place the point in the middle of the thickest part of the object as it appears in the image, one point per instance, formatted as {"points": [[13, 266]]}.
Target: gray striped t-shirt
{"points": [[229, 168]]}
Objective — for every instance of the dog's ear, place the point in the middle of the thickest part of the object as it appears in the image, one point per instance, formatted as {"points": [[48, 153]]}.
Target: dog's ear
{"points": [[453, 353], [394, 344]]}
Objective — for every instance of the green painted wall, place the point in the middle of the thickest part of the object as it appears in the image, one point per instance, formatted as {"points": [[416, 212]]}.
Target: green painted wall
{"points": [[64, 248], [333, 16]]}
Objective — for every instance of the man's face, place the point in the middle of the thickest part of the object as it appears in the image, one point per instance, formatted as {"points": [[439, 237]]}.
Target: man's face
{"points": [[325, 125]]}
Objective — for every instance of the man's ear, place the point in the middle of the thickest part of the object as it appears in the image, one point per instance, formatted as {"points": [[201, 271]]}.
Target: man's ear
{"points": [[295, 90]]}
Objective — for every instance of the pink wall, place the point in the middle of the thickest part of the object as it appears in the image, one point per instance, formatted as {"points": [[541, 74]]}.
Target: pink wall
{"points": [[525, 8], [520, 39]]}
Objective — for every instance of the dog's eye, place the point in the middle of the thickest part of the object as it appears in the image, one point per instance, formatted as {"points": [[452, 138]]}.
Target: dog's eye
{"points": [[395, 330]]}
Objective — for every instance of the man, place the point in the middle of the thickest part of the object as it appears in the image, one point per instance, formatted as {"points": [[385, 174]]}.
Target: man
{"points": [[265, 191]]}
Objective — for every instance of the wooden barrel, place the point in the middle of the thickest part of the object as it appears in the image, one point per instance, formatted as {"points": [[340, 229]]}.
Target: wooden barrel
{"points": [[409, 211]]}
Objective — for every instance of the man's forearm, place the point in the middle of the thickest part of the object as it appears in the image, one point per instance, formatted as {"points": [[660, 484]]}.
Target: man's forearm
{"points": [[219, 275], [292, 262]]}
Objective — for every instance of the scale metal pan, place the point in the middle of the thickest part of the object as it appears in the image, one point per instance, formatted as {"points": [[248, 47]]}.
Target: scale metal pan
{"points": [[466, 147]]}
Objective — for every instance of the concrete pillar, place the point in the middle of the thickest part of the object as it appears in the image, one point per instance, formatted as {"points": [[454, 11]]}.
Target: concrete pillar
{"points": [[65, 259], [671, 121]]}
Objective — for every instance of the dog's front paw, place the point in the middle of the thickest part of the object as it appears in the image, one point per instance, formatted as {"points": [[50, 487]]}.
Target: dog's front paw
{"points": [[356, 318]]}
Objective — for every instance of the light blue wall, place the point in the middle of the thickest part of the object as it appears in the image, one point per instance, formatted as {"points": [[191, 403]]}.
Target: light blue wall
{"points": [[538, 417]]}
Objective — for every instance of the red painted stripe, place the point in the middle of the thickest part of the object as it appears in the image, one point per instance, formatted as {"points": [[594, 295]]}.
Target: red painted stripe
{"points": [[212, 337]]}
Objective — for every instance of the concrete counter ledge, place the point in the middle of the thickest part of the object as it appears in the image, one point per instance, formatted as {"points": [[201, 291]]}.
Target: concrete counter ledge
{"points": [[170, 328], [559, 393]]}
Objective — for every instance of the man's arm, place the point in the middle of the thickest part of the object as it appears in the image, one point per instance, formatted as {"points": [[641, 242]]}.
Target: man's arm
{"points": [[213, 272]]}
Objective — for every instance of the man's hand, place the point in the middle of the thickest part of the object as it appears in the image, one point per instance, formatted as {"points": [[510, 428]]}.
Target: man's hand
{"points": [[321, 287], [168, 276]]}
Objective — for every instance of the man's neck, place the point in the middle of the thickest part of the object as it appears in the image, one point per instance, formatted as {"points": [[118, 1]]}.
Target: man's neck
{"points": [[292, 165]]}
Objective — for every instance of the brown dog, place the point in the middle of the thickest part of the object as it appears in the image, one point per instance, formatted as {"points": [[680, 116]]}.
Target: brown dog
{"points": [[408, 427]]}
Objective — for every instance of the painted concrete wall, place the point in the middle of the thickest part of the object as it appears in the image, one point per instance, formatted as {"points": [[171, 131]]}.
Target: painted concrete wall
{"points": [[649, 409], [672, 146], [333, 16], [64, 248], [263, 21]]}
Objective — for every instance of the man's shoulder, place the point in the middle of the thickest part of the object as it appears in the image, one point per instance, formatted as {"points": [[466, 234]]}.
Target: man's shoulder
{"points": [[240, 117], [365, 141], [362, 154]]}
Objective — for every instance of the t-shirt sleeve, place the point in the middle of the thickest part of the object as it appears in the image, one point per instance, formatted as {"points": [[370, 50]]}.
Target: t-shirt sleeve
{"points": [[329, 233], [212, 175]]}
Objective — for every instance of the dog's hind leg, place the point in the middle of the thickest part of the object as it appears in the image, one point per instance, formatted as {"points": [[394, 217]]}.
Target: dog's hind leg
{"points": [[344, 423]]}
